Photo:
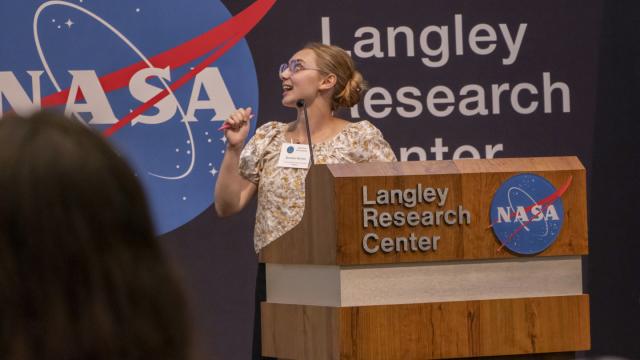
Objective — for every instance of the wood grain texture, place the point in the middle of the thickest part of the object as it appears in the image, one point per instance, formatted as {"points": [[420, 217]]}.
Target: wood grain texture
{"points": [[331, 229], [300, 332], [428, 331]]}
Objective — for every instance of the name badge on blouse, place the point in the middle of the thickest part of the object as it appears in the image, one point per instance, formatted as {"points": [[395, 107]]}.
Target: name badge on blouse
{"points": [[294, 156]]}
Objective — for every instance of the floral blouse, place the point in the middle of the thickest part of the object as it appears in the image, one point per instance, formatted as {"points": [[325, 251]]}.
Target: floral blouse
{"points": [[281, 190]]}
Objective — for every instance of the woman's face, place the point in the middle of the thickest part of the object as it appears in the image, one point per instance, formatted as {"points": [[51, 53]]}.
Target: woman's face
{"points": [[301, 79]]}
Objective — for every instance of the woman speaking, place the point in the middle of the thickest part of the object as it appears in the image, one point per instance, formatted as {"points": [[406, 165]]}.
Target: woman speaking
{"points": [[325, 79]]}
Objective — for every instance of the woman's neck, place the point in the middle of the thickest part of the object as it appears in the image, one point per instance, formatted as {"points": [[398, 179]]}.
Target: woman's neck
{"points": [[321, 123]]}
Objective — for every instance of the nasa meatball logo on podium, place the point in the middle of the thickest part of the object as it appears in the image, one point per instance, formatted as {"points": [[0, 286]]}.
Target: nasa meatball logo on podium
{"points": [[156, 78], [527, 213]]}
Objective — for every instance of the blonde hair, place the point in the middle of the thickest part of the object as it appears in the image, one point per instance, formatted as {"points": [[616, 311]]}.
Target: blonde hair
{"points": [[349, 82]]}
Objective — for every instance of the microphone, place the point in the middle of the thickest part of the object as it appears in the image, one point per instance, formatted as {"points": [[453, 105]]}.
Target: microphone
{"points": [[301, 104]]}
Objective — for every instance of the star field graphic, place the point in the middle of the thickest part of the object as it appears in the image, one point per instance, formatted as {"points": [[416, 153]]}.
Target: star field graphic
{"points": [[173, 146]]}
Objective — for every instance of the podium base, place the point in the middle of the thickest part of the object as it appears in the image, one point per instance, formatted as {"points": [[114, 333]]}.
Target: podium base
{"points": [[527, 328]]}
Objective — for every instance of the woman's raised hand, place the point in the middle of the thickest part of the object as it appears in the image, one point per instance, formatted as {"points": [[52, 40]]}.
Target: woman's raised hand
{"points": [[238, 129]]}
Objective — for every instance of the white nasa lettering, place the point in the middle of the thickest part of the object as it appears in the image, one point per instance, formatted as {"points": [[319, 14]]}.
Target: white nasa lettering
{"points": [[538, 213], [503, 215], [143, 92], [551, 213], [16, 96], [96, 102], [219, 98], [521, 214]]}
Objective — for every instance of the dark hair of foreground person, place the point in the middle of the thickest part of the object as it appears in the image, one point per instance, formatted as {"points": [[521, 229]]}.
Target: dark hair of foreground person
{"points": [[82, 275]]}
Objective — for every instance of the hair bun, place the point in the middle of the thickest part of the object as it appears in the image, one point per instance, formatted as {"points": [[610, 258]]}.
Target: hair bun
{"points": [[352, 92], [349, 85]]}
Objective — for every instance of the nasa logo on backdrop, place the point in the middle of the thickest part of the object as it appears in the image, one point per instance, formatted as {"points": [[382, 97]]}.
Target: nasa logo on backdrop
{"points": [[527, 213], [156, 78]]}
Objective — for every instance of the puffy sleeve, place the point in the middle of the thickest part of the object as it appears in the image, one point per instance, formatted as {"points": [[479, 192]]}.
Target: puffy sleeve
{"points": [[252, 156], [373, 146]]}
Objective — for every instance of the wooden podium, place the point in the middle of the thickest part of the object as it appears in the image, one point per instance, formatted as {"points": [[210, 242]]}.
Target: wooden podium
{"points": [[376, 271]]}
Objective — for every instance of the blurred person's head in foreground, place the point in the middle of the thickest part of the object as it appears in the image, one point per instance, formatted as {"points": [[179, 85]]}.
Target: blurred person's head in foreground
{"points": [[81, 274]]}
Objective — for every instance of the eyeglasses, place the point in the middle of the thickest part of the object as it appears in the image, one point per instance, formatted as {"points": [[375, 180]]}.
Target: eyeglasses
{"points": [[294, 66]]}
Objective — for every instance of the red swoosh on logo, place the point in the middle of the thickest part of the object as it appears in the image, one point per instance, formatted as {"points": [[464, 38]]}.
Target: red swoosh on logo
{"points": [[223, 37]]}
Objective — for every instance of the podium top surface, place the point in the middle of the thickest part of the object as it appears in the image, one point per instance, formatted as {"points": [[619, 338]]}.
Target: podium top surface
{"points": [[451, 167]]}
